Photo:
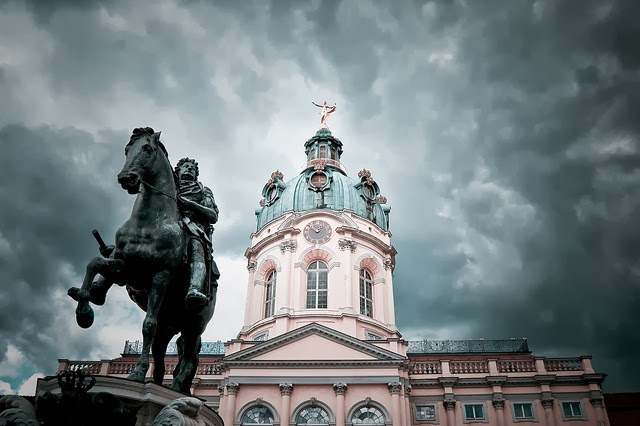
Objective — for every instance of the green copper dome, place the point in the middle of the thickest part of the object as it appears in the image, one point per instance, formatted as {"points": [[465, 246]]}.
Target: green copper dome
{"points": [[323, 184]]}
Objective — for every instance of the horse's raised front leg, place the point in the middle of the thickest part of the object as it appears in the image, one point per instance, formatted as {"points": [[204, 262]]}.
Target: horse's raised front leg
{"points": [[156, 294], [98, 265]]}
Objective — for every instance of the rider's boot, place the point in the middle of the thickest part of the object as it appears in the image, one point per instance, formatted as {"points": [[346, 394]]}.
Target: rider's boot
{"points": [[195, 295]]}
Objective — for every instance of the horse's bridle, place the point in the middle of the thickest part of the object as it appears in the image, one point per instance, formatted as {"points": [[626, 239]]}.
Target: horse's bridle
{"points": [[147, 184]]}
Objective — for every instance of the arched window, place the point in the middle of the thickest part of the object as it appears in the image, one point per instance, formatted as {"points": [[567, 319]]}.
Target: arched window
{"points": [[366, 293], [257, 415], [317, 279], [270, 299], [312, 415], [367, 416]]}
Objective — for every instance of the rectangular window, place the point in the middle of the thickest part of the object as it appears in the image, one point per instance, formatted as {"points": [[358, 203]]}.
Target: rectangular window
{"points": [[523, 410], [571, 409], [323, 152], [425, 412], [474, 412]]}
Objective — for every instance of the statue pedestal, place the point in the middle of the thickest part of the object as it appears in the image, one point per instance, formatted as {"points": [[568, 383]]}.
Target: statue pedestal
{"points": [[147, 398]]}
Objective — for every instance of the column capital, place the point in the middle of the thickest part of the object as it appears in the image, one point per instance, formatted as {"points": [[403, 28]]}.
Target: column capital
{"points": [[407, 390], [286, 388], [449, 405], [288, 245], [340, 388], [395, 388], [252, 265], [597, 401], [233, 388], [547, 403], [345, 244], [388, 263], [498, 404], [221, 390]]}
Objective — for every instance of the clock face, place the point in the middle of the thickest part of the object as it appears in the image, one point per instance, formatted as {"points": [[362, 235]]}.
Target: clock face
{"points": [[317, 232]]}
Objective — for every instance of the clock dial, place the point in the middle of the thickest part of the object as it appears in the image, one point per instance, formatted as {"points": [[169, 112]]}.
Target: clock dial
{"points": [[317, 232]]}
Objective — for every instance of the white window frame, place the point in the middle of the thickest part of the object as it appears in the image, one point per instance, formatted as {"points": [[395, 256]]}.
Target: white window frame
{"points": [[315, 275], [425, 404], [582, 416], [534, 413], [485, 414], [365, 282], [270, 294]]}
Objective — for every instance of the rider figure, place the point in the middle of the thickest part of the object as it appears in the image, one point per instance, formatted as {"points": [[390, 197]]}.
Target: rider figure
{"points": [[199, 212]]}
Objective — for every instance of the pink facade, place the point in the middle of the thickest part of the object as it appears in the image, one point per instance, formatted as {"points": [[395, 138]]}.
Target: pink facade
{"points": [[319, 344]]}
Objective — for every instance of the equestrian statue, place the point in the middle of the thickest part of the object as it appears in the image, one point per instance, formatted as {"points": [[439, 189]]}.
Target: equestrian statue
{"points": [[162, 255]]}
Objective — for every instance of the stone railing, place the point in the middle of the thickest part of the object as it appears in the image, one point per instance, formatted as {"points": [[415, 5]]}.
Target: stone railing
{"points": [[516, 366], [500, 366], [121, 367], [88, 367], [563, 364], [468, 367], [427, 368]]}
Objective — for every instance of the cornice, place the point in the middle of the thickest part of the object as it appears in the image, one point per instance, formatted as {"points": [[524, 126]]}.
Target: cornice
{"points": [[271, 239], [506, 381], [317, 329], [314, 364]]}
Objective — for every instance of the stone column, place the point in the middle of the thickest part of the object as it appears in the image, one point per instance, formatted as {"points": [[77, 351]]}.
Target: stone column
{"points": [[230, 409], [407, 406], [498, 406], [252, 265], [450, 408], [340, 389], [285, 403], [348, 247], [283, 283], [547, 404], [395, 388], [598, 404], [221, 407]]}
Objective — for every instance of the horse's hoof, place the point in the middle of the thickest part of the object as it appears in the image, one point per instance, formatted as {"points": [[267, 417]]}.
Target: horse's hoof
{"points": [[73, 293], [84, 316], [136, 376]]}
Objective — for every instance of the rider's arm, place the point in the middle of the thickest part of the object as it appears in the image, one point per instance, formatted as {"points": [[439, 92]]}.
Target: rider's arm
{"points": [[207, 211]]}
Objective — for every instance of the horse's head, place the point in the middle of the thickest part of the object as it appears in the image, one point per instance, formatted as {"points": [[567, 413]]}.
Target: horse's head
{"points": [[141, 154]]}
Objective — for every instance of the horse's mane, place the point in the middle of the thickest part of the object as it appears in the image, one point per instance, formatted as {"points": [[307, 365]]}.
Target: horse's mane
{"points": [[139, 132]]}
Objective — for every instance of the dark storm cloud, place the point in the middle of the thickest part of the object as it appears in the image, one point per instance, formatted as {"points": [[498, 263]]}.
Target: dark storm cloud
{"points": [[515, 191], [52, 186]]}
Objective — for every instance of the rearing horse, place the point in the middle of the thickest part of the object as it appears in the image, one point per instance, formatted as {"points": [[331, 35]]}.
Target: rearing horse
{"points": [[148, 259]]}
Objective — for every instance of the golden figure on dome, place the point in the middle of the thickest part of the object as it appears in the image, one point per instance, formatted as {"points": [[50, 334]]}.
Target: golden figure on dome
{"points": [[324, 113]]}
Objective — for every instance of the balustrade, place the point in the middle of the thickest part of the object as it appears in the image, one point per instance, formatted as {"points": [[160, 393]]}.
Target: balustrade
{"points": [[516, 366]]}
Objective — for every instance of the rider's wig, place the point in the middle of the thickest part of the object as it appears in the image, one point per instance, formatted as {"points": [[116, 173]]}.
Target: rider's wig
{"points": [[187, 160]]}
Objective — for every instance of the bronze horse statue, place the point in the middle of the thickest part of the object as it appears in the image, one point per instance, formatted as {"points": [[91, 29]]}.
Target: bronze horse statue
{"points": [[148, 258]]}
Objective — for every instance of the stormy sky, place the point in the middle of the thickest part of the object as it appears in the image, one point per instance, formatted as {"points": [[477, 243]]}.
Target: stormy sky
{"points": [[505, 135]]}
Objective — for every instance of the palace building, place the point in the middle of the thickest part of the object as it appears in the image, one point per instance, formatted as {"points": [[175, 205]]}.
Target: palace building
{"points": [[320, 345]]}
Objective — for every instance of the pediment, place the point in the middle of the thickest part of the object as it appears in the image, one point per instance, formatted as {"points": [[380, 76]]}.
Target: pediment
{"points": [[315, 342]]}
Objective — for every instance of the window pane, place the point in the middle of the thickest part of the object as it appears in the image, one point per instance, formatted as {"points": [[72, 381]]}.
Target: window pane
{"points": [[322, 279], [426, 412], [311, 299], [468, 411], [322, 299], [321, 265]]}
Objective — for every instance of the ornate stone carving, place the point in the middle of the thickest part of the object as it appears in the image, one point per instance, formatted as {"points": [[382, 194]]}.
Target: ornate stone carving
{"points": [[498, 404], [262, 202], [277, 175], [252, 265], [340, 388], [364, 173], [286, 388], [367, 402], [449, 405], [259, 402], [547, 403], [597, 401], [345, 244], [16, 410], [288, 245], [233, 388], [182, 411], [313, 401], [388, 263], [407, 390], [381, 199], [395, 387], [221, 391]]}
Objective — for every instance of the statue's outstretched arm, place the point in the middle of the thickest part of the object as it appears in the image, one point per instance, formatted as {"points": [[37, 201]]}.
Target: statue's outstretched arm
{"points": [[207, 211]]}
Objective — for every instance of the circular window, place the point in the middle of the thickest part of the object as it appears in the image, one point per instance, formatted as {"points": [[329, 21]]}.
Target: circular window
{"points": [[318, 180], [368, 191]]}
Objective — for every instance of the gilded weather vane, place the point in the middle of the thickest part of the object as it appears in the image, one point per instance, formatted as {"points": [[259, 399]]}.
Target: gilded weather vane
{"points": [[324, 113]]}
